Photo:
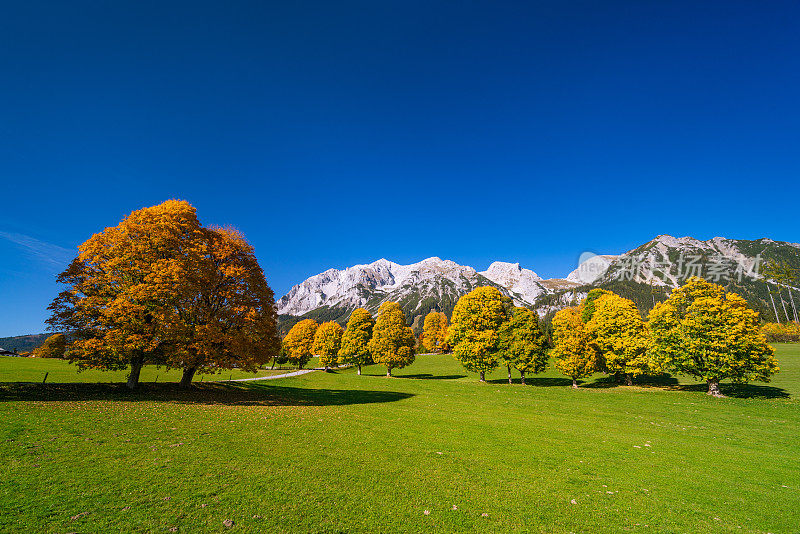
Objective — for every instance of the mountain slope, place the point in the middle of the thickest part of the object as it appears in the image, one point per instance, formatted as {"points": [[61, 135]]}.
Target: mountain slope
{"points": [[645, 274], [432, 284]]}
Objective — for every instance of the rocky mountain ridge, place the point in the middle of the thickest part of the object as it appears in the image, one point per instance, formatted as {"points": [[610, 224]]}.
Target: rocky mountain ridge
{"points": [[436, 284]]}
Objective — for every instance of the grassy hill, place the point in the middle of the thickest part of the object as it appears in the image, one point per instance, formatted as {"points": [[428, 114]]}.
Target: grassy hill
{"points": [[432, 450], [23, 343]]}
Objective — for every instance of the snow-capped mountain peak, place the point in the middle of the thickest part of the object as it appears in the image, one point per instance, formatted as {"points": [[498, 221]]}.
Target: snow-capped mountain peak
{"points": [[437, 284], [523, 284]]}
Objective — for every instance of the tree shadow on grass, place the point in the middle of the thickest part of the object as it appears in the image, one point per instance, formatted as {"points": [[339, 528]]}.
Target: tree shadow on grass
{"points": [[225, 394], [656, 381], [670, 383], [534, 381], [739, 391], [428, 376]]}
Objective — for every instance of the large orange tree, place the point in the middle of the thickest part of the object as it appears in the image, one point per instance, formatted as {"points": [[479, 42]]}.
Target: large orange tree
{"points": [[160, 288], [225, 315]]}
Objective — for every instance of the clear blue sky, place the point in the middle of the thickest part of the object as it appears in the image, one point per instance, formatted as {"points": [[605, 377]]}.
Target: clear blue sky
{"points": [[336, 133]]}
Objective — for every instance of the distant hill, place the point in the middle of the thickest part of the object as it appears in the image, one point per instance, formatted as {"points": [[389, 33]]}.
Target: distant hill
{"points": [[23, 343]]}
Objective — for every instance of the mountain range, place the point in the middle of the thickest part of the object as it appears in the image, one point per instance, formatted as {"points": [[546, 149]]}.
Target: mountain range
{"points": [[645, 274]]}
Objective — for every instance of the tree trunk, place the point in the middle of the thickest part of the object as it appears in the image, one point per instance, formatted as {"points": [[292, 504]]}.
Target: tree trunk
{"points": [[273, 363], [389, 372], [713, 388], [483, 376], [522, 374], [794, 308], [509, 375], [574, 383], [783, 303], [778, 319], [136, 369], [359, 370], [628, 379], [188, 375]]}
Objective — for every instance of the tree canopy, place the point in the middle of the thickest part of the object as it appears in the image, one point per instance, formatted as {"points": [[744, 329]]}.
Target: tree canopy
{"points": [[54, 346], [475, 331], [299, 342], [708, 333], [392, 342], [435, 332], [122, 284], [161, 288], [355, 340], [619, 335], [327, 342], [225, 315], [573, 355], [522, 343]]}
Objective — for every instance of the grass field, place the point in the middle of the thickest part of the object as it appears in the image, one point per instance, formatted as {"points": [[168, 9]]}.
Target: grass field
{"points": [[431, 450], [14, 369]]}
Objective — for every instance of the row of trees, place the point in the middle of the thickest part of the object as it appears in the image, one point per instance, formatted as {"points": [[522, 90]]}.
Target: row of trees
{"points": [[781, 333], [701, 330], [385, 340], [160, 288]]}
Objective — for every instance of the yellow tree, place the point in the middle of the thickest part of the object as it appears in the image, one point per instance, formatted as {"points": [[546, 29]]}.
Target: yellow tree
{"points": [[355, 339], [122, 283], [435, 332], [299, 342], [573, 355], [392, 342], [54, 346], [327, 342], [441, 341], [710, 334], [587, 307], [224, 316], [617, 331], [475, 332], [522, 344]]}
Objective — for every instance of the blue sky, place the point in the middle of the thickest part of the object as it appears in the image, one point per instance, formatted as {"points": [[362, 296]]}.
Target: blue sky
{"points": [[336, 133]]}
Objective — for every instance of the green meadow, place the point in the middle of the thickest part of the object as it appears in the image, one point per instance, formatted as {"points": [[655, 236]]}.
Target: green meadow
{"points": [[55, 371], [431, 450]]}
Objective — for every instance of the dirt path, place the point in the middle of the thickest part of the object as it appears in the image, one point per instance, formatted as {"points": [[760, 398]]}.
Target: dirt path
{"points": [[284, 375]]}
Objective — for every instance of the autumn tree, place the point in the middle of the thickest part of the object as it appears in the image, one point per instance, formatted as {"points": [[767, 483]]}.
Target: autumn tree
{"points": [[281, 357], [435, 332], [123, 282], [54, 346], [161, 288], [475, 330], [224, 316], [522, 344], [299, 342], [327, 342], [392, 342], [573, 355], [355, 340], [618, 333], [587, 306], [708, 333]]}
